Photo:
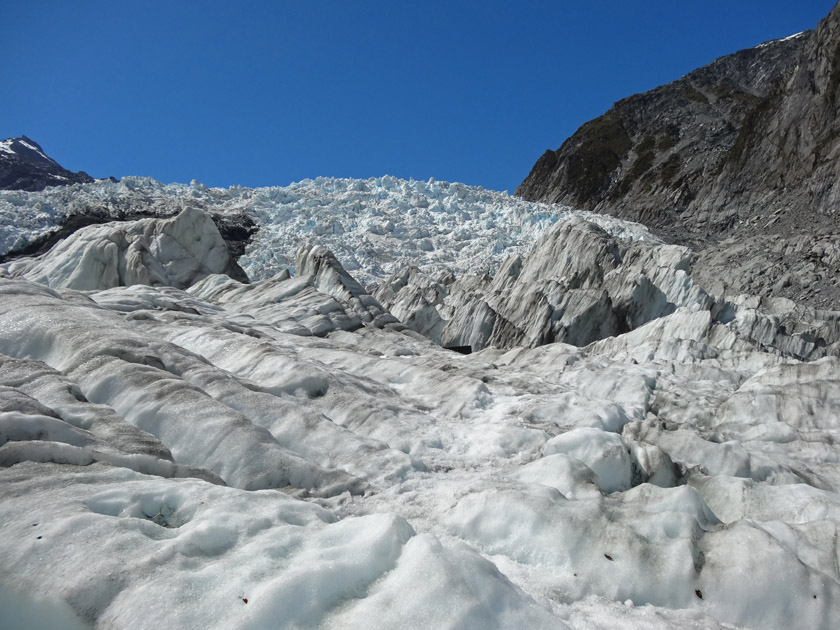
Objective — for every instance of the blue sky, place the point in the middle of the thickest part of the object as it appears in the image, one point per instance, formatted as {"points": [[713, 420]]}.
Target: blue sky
{"points": [[266, 93]]}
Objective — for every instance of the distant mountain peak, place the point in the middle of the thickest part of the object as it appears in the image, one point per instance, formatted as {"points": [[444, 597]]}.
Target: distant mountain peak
{"points": [[24, 165], [27, 150]]}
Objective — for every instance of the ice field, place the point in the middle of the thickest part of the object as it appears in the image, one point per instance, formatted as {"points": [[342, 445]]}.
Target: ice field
{"points": [[189, 451]]}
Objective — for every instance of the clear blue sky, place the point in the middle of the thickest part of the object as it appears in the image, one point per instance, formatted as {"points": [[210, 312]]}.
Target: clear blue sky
{"points": [[266, 93]]}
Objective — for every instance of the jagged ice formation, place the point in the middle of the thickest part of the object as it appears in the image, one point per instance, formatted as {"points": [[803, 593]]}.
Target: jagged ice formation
{"points": [[179, 447]]}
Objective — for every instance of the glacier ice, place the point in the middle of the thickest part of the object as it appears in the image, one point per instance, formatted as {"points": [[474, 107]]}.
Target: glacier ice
{"points": [[375, 227], [170, 252], [194, 451]]}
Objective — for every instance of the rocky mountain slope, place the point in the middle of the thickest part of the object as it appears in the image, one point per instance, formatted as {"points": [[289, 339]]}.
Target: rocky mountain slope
{"points": [[738, 160], [25, 166]]}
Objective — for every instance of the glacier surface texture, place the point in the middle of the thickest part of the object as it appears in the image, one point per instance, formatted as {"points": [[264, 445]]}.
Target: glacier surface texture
{"points": [[181, 448]]}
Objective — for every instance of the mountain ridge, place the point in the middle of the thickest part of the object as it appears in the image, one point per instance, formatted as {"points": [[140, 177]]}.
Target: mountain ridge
{"points": [[737, 160]]}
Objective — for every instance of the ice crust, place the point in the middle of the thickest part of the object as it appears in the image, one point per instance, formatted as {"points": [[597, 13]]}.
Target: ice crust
{"points": [[287, 454]]}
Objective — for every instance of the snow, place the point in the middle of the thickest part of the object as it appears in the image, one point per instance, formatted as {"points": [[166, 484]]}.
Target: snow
{"points": [[196, 452], [794, 36], [605, 454], [24, 612], [7, 146], [30, 147], [783, 39]]}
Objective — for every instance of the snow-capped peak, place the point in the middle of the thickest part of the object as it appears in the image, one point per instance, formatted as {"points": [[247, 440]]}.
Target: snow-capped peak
{"points": [[26, 149], [25, 166]]}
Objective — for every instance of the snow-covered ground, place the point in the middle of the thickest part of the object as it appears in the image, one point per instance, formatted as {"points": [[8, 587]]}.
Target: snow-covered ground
{"points": [[198, 458]]}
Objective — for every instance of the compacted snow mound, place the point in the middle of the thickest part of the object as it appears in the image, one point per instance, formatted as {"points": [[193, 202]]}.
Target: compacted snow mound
{"points": [[170, 252], [193, 555], [329, 277], [156, 386]]}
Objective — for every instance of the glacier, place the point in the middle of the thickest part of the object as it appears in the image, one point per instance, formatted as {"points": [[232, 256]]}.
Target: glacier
{"points": [[375, 227], [622, 449]]}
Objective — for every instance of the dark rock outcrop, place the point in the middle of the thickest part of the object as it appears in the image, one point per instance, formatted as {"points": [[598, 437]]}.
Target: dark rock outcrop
{"points": [[650, 156]]}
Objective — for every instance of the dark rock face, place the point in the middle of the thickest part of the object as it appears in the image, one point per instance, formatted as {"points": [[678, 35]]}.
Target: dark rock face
{"points": [[649, 156], [25, 166], [737, 160], [237, 230]]}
